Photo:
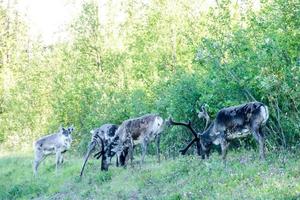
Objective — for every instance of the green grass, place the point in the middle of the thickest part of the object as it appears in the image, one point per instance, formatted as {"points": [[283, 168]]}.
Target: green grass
{"points": [[244, 177]]}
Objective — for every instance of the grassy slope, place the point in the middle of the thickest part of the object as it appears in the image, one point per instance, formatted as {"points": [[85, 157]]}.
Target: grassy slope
{"points": [[245, 177]]}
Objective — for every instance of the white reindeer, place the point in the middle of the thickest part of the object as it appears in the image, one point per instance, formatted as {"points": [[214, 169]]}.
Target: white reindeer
{"points": [[57, 143]]}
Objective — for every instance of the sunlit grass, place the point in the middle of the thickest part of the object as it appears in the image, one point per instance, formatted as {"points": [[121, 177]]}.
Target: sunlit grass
{"points": [[244, 177]]}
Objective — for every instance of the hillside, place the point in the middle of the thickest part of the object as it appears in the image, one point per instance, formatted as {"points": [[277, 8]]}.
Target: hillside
{"points": [[244, 177], [232, 64]]}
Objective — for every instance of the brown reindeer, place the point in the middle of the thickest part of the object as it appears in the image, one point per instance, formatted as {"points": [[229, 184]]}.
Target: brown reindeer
{"points": [[230, 123], [141, 130]]}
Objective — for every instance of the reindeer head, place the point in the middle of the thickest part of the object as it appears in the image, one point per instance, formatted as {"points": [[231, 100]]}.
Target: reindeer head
{"points": [[65, 132], [109, 149], [66, 136], [203, 142]]}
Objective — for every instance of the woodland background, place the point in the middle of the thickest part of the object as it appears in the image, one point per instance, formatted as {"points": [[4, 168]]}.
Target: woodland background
{"points": [[160, 56]]}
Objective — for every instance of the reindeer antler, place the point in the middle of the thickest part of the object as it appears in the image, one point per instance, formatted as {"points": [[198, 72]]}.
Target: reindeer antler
{"points": [[99, 154], [188, 125], [196, 138]]}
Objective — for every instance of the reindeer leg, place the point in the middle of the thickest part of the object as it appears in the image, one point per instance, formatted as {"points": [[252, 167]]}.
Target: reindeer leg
{"points": [[58, 155], [61, 160], [207, 152], [123, 156], [144, 150], [157, 147], [259, 137], [224, 146], [39, 156], [117, 161], [261, 141], [104, 163], [129, 157], [262, 148], [130, 153], [199, 149]]}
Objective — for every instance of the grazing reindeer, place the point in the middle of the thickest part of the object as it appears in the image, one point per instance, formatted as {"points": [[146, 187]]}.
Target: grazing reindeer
{"points": [[101, 137], [57, 143], [139, 130], [230, 123]]}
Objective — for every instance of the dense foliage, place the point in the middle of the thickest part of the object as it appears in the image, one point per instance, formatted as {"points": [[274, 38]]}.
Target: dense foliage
{"points": [[162, 56]]}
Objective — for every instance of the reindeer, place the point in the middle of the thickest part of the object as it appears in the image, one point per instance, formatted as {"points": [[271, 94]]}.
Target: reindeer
{"points": [[230, 123], [141, 130], [101, 137], [57, 143]]}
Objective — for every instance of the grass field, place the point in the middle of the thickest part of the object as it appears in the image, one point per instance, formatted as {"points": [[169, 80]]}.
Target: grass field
{"points": [[244, 177]]}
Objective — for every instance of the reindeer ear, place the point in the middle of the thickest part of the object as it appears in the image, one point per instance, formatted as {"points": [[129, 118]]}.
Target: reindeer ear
{"points": [[65, 131]]}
